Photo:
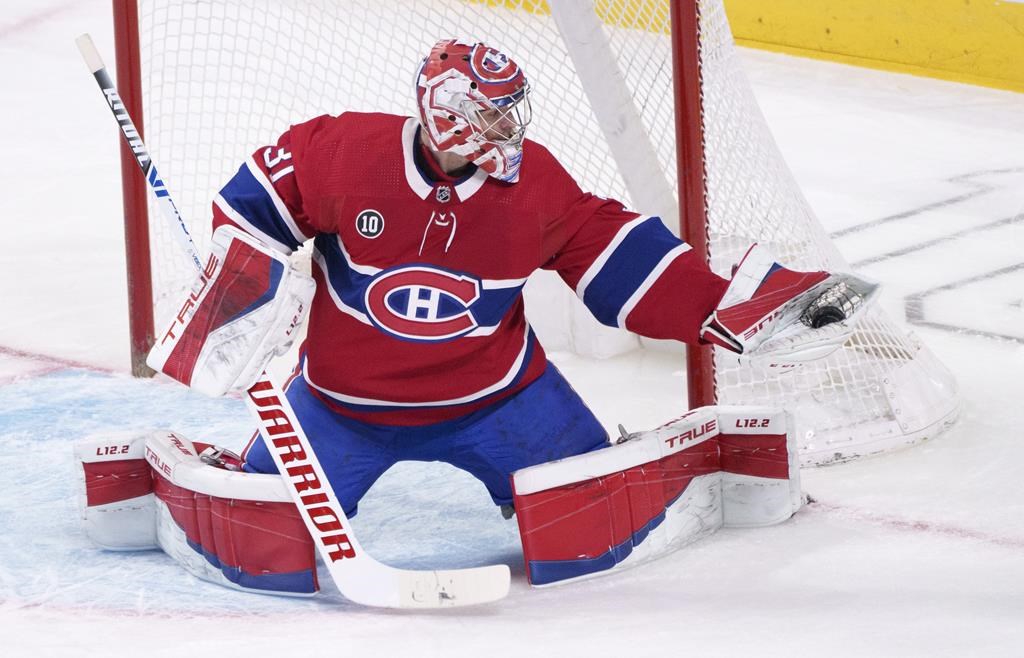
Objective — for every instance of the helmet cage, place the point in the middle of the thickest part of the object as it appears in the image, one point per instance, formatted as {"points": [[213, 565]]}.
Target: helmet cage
{"points": [[501, 121]]}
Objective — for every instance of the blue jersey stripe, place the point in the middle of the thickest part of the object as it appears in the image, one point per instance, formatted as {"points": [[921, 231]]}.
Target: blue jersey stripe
{"points": [[250, 200], [627, 268], [348, 284]]}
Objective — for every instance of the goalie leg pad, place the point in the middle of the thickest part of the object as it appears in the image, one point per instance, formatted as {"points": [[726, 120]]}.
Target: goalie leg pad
{"points": [[660, 490], [116, 499], [236, 529], [240, 530], [760, 467], [584, 527]]}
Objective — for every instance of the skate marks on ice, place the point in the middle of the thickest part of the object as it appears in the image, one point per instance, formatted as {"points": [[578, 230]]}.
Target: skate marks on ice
{"points": [[997, 297], [960, 267], [978, 184]]}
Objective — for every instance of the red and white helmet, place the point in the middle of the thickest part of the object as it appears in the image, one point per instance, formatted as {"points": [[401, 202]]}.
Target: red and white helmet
{"points": [[473, 101]]}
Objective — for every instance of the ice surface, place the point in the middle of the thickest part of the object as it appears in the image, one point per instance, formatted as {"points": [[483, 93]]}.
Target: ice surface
{"points": [[916, 553]]}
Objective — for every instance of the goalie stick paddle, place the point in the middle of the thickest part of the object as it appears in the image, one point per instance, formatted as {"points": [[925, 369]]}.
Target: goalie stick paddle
{"points": [[358, 576]]}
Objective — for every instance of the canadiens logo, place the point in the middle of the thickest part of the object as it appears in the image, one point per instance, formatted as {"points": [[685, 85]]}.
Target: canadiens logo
{"points": [[423, 303], [492, 65], [494, 61]]}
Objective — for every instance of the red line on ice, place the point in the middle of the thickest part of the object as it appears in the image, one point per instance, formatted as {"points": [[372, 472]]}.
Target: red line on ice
{"points": [[897, 523], [32, 20], [44, 364]]}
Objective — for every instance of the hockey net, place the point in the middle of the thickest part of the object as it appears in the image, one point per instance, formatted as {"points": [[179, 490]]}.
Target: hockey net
{"points": [[221, 77]]}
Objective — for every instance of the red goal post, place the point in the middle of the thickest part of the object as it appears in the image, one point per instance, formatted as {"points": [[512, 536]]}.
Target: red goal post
{"points": [[690, 174], [642, 100], [134, 192]]}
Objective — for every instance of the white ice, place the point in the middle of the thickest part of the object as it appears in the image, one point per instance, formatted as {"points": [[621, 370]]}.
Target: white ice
{"points": [[918, 553]]}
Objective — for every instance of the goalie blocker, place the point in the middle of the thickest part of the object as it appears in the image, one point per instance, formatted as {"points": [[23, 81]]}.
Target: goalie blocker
{"points": [[581, 516], [245, 307]]}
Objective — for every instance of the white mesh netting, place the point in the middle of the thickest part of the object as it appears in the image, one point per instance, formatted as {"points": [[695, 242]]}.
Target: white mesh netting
{"points": [[223, 77]]}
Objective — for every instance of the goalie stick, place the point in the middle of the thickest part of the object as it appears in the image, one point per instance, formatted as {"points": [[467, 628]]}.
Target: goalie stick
{"points": [[357, 575]]}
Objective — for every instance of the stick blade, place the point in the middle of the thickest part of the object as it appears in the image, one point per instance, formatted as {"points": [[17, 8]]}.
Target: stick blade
{"points": [[455, 587], [368, 582]]}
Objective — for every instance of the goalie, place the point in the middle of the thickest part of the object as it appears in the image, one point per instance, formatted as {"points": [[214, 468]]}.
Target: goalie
{"points": [[424, 233]]}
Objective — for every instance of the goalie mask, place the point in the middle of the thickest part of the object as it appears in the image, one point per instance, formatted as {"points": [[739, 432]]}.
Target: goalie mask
{"points": [[473, 100]]}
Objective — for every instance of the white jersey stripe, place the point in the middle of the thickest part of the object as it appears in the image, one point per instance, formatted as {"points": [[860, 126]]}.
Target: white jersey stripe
{"points": [[279, 204], [412, 173], [367, 270], [469, 187], [494, 284]]}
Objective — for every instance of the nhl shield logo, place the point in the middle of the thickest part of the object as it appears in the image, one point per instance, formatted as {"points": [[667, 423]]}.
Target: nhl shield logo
{"points": [[444, 193]]}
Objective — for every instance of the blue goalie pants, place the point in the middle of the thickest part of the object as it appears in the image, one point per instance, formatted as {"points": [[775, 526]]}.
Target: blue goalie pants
{"points": [[545, 421]]}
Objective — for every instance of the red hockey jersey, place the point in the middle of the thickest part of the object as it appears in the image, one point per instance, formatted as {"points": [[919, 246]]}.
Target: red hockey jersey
{"points": [[418, 315]]}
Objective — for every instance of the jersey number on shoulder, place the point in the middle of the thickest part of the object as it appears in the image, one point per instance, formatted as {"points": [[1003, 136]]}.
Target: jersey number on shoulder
{"points": [[274, 156]]}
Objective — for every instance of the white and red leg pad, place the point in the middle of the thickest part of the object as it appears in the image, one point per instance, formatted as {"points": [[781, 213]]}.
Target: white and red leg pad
{"points": [[236, 529], [116, 499], [635, 501]]}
